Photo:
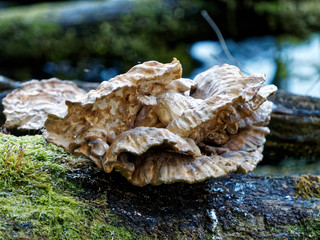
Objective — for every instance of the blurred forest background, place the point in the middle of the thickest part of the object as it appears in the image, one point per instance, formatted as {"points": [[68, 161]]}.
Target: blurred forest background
{"points": [[95, 40]]}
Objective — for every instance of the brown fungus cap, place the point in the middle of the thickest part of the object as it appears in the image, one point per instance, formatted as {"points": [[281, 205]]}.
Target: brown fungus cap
{"points": [[146, 125], [138, 141], [228, 96], [26, 108], [111, 109]]}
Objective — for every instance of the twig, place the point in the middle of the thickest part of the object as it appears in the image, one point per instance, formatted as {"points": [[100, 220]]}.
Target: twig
{"points": [[223, 44], [313, 85]]}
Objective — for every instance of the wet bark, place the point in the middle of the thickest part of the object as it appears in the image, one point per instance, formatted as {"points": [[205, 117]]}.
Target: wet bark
{"points": [[233, 207], [295, 127]]}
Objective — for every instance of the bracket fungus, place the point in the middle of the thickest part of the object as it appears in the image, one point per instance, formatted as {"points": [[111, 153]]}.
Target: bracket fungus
{"points": [[155, 127], [26, 108], [150, 124]]}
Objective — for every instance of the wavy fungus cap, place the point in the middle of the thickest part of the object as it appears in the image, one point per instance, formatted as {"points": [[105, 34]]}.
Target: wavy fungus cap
{"points": [[26, 108], [146, 125]]}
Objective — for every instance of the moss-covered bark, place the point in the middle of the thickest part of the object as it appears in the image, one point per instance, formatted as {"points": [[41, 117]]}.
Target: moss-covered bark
{"points": [[37, 201], [46, 193]]}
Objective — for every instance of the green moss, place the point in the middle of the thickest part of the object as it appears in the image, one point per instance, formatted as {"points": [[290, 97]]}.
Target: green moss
{"points": [[308, 186], [37, 200], [245, 228], [306, 229]]}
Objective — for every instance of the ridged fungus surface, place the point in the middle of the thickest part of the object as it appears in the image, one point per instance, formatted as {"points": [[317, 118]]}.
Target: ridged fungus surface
{"points": [[155, 127]]}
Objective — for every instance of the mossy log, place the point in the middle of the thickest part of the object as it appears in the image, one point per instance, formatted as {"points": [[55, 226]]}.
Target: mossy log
{"points": [[47, 193], [233, 207]]}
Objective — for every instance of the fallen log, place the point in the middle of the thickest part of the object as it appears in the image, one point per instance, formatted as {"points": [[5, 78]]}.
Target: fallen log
{"points": [[233, 207], [295, 127]]}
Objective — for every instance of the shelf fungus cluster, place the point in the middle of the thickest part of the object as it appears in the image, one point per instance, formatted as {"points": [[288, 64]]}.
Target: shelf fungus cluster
{"points": [[155, 127], [26, 108]]}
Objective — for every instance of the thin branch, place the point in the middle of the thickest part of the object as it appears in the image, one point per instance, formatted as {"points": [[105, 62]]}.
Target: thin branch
{"points": [[312, 86], [223, 44]]}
